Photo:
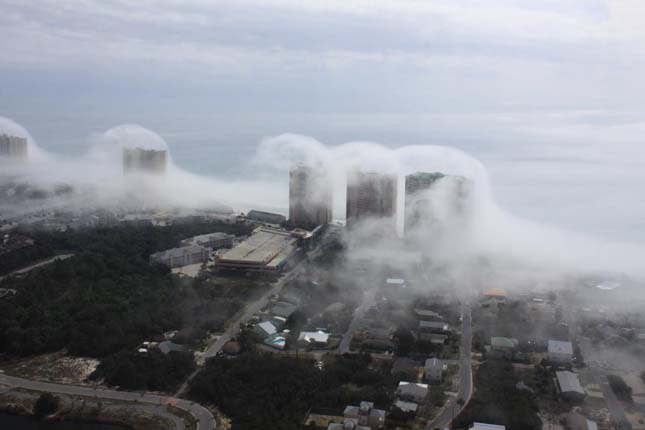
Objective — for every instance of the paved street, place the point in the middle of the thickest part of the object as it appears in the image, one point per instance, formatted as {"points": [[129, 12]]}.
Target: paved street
{"points": [[205, 420], [368, 302], [452, 407], [37, 265]]}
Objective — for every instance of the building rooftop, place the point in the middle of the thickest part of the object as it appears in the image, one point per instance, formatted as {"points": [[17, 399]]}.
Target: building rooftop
{"points": [[503, 342], [314, 336], [482, 426], [264, 247], [560, 347], [406, 406], [569, 382]]}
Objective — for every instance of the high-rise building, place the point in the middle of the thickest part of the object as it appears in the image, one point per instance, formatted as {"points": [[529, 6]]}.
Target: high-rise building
{"points": [[417, 204], [13, 146], [144, 160], [428, 202], [310, 196], [370, 195]]}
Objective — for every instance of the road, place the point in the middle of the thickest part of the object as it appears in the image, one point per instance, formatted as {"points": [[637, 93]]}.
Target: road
{"points": [[253, 308], [368, 302], [205, 420], [452, 407], [37, 265]]}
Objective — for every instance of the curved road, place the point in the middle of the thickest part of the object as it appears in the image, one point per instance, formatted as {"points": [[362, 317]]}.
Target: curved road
{"points": [[205, 420]]}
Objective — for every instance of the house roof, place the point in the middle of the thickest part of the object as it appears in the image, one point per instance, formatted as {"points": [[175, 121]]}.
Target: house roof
{"points": [[503, 342], [268, 327], [569, 382], [482, 426], [314, 336], [560, 347], [406, 406], [437, 325], [412, 389]]}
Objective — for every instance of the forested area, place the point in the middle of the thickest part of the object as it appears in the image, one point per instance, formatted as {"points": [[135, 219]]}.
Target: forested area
{"points": [[497, 400], [256, 389], [105, 299], [153, 370]]}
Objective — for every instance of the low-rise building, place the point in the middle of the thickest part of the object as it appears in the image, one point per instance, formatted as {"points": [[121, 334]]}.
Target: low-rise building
{"points": [[265, 328], [211, 241], [266, 250], [427, 315], [178, 257], [434, 327], [366, 415], [569, 386], [318, 338], [498, 343], [560, 352], [412, 392], [433, 370], [483, 426]]}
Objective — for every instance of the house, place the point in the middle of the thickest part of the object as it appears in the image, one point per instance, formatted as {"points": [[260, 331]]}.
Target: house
{"points": [[347, 424], [366, 415], [276, 340], [560, 352], [314, 338], [406, 407], [434, 327], [265, 328], [433, 370], [576, 421], [433, 338], [498, 343], [482, 426], [569, 386], [412, 392], [427, 315], [494, 295]]}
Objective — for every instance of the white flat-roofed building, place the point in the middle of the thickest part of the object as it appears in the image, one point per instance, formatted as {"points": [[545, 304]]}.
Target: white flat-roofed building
{"points": [[178, 257], [482, 426], [266, 250], [212, 240], [560, 351]]}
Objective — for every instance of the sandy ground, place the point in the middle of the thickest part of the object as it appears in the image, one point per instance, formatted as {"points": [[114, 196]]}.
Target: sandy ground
{"points": [[53, 367]]}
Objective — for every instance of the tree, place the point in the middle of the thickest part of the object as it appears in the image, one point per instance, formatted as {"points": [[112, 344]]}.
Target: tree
{"points": [[46, 405]]}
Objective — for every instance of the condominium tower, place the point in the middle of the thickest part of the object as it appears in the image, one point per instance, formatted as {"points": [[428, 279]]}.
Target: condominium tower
{"points": [[13, 146], [144, 160], [310, 196], [370, 195]]}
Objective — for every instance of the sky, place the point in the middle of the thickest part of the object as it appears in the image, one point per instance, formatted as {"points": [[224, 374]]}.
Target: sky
{"points": [[548, 94]]}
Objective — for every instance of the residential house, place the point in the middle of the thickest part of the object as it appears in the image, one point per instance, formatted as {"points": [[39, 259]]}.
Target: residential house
{"points": [[366, 415], [433, 370], [560, 352], [412, 392], [569, 386]]}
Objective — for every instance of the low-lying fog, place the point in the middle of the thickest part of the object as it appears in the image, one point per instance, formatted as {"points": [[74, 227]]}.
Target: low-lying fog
{"points": [[510, 248]]}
